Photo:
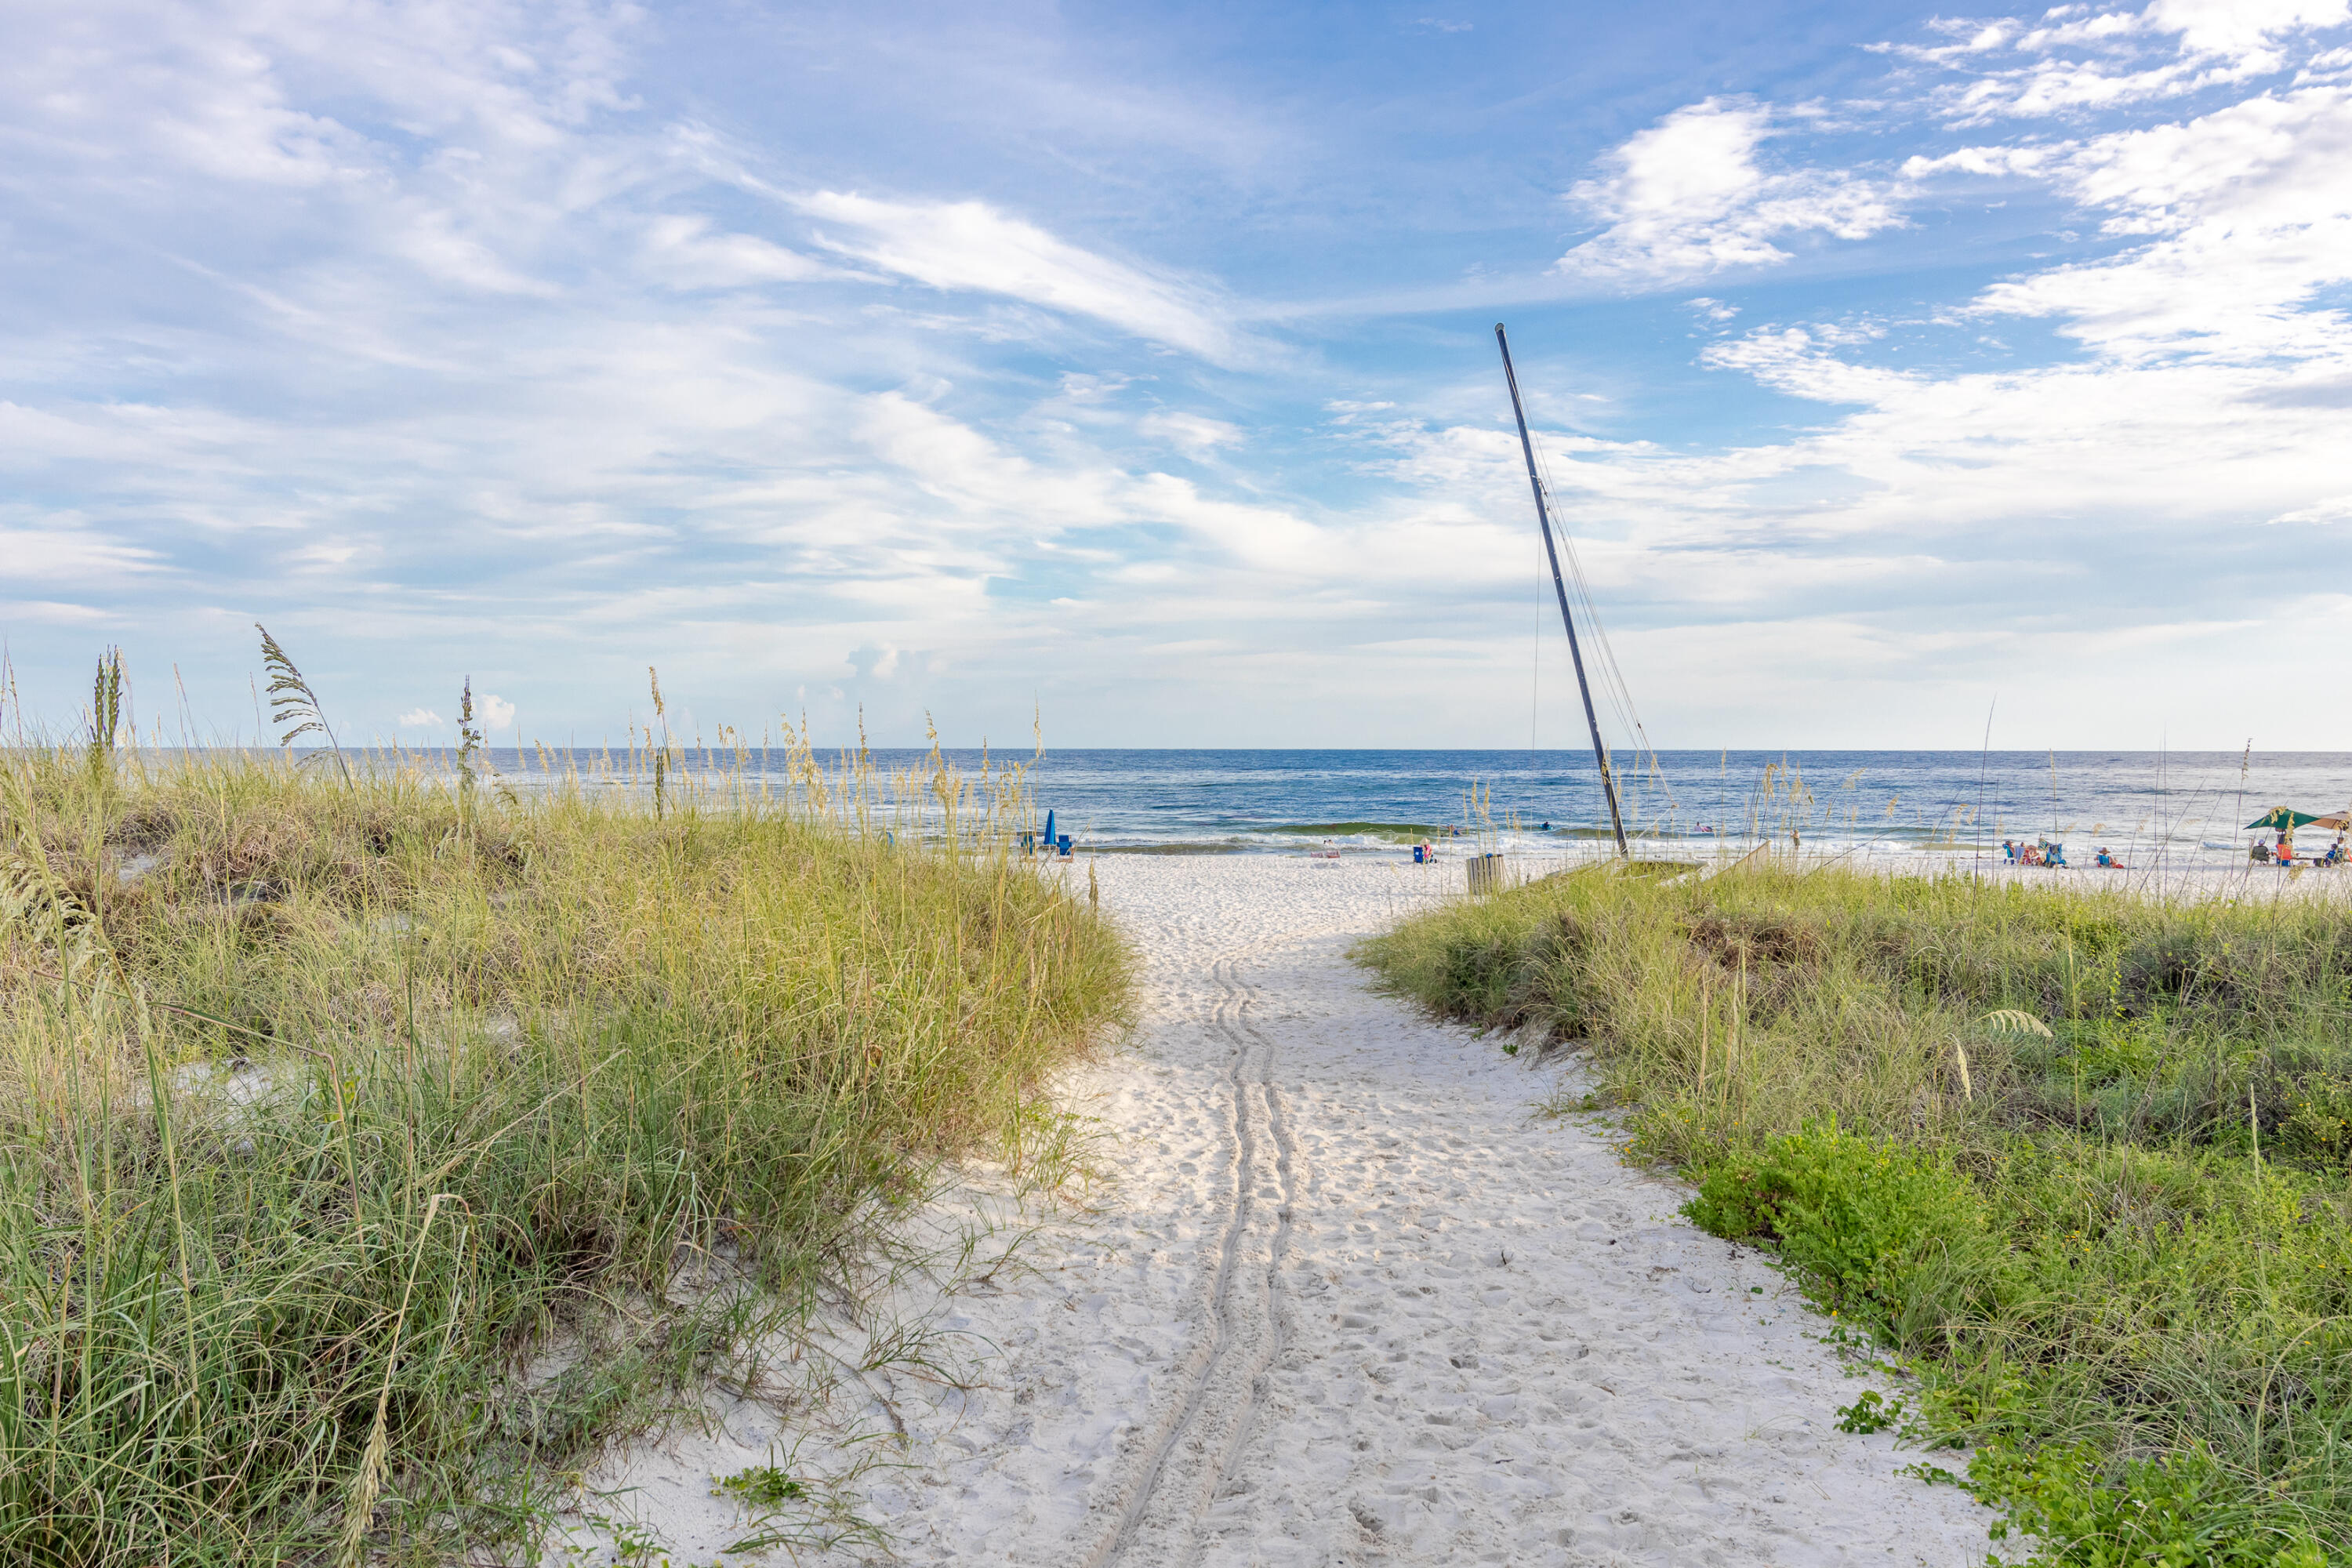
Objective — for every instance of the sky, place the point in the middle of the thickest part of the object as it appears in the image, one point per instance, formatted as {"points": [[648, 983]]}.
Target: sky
{"points": [[1127, 373]]}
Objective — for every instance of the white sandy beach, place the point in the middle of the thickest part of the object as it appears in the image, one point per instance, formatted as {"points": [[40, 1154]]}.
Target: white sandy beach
{"points": [[1342, 1299]]}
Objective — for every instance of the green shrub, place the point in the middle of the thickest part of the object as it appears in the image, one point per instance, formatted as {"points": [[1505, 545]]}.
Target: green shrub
{"points": [[2111, 1240], [2179, 1510], [1876, 1231]]}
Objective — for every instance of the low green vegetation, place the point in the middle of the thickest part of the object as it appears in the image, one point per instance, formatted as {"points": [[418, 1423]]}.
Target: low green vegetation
{"points": [[2081, 1163], [358, 1127]]}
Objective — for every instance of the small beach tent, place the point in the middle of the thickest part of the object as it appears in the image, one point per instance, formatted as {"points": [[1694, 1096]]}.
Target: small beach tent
{"points": [[2281, 820], [2338, 820]]}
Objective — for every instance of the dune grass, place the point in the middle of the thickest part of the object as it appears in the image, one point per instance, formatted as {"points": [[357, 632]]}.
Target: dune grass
{"points": [[357, 1126], [2081, 1162]]}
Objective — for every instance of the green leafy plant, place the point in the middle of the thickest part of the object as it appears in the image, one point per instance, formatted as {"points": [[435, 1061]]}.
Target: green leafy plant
{"points": [[2084, 1510], [761, 1486], [1870, 1225], [2076, 1157], [1871, 1413]]}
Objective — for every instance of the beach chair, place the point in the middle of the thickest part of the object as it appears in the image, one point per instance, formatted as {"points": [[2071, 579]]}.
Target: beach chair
{"points": [[1034, 842]]}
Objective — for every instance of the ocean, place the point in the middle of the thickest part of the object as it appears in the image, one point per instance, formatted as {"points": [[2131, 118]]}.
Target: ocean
{"points": [[2188, 804]]}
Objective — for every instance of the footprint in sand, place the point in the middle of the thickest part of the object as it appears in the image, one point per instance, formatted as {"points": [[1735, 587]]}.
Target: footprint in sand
{"points": [[1346, 1302]]}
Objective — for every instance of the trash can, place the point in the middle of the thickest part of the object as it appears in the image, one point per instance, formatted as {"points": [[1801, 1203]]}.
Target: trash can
{"points": [[1486, 873]]}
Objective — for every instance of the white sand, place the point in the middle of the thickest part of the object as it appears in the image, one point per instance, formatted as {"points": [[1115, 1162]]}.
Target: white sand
{"points": [[1345, 1299]]}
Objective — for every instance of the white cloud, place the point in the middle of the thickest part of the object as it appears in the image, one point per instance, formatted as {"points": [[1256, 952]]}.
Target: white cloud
{"points": [[682, 250], [70, 555], [2249, 211], [2235, 27], [2335, 509], [872, 663], [495, 712], [2083, 58], [970, 245], [52, 613], [2102, 506], [415, 321], [1196, 434], [1687, 199]]}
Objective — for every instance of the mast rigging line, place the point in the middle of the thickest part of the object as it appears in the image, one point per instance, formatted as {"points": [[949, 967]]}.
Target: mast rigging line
{"points": [[1615, 690], [1567, 621], [1613, 683]]}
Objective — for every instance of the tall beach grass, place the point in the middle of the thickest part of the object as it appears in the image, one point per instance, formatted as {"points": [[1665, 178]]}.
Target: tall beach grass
{"points": [[334, 1100], [2082, 1161]]}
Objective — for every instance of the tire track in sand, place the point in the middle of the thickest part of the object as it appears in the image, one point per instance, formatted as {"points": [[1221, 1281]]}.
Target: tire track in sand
{"points": [[1171, 1491]]}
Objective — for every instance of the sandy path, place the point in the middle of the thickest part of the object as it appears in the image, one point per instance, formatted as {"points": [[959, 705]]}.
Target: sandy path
{"points": [[1346, 1302]]}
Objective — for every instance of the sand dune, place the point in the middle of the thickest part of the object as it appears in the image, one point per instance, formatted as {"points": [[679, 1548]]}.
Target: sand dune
{"points": [[1344, 1300]]}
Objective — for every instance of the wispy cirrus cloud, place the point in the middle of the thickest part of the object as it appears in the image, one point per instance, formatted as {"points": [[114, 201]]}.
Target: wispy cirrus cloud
{"points": [[499, 340], [682, 249], [970, 245], [73, 556], [425, 318]]}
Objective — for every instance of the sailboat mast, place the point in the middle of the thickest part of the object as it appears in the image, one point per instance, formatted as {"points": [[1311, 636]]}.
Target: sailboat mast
{"points": [[1543, 517]]}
